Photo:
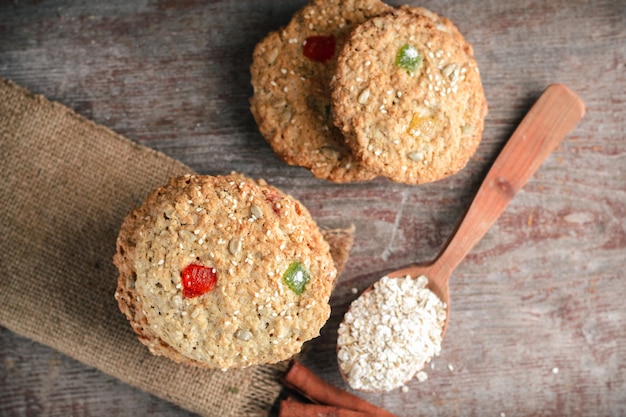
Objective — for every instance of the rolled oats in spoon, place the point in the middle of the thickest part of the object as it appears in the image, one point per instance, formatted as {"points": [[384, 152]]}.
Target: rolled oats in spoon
{"points": [[390, 333]]}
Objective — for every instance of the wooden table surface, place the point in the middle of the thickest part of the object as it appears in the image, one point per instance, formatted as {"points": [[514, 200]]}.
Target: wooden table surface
{"points": [[538, 320]]}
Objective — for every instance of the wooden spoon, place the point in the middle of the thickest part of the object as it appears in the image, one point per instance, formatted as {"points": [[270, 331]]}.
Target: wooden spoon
{"points": [[547, 123]]}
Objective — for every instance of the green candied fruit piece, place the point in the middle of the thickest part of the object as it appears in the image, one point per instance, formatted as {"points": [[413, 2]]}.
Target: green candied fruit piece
{"points": [[296, 277], [408, 58]]}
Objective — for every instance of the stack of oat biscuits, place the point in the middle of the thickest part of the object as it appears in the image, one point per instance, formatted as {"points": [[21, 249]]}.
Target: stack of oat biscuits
{"points": [[223, 272], [357, 89]]}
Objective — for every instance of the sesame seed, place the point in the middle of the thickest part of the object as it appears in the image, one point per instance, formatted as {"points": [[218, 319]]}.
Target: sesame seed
{"points": [[364, 96]]}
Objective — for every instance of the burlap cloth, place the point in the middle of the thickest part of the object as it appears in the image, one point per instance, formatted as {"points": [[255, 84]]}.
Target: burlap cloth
{"points": [[66, 185]]}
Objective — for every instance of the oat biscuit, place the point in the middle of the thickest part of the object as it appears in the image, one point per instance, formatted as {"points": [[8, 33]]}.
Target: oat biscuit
{"points": [[223, 272], [408, 96], [291, 71]]}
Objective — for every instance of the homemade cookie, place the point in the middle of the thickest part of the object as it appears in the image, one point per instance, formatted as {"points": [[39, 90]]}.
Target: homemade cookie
{"points": [[291, 71], [408, 97], [223, 272]]}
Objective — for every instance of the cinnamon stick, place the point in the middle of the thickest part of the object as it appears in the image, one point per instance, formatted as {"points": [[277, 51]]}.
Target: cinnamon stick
{"points": [[297, 409], [301, 379]]}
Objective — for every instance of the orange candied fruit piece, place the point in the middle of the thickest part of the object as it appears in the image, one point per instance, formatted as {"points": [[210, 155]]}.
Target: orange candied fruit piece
{"points": [[423, 126]]}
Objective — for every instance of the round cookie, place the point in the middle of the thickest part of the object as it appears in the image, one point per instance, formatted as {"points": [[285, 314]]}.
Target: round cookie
{"points": [[223, 272], [408, 97], [291, 72]]}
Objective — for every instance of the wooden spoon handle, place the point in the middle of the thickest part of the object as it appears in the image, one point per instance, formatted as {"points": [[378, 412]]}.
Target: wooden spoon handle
{"points": [[547, 123]]}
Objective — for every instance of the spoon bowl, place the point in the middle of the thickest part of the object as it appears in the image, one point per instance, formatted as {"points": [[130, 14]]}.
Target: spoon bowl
{"points": [[550, 119]]}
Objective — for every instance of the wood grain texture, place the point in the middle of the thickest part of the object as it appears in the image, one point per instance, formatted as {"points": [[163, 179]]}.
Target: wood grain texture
{"points": [[543, 291]]}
